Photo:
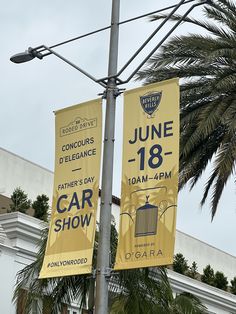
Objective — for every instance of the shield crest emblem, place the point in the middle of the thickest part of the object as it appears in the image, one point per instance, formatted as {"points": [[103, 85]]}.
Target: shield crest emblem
{"points": [[150, 102]]}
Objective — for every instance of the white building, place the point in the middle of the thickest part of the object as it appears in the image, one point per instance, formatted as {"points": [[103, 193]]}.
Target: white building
{"points": [[20, 233], [18, 172]]}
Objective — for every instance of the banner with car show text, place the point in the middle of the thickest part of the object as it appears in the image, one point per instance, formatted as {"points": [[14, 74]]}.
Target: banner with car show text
{"points": [[149, 176], [70, 241]]}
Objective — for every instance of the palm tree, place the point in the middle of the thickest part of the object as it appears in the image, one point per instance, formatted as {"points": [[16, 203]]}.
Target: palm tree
{"points": [[147, 292], [206, 65], [139, 291]]}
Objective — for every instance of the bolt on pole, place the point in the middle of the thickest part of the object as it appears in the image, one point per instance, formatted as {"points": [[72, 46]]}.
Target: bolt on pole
{"points": [[103, 259]]}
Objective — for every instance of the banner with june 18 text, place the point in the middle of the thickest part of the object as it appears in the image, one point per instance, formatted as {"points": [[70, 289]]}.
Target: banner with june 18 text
{"points": [[149, 176]]}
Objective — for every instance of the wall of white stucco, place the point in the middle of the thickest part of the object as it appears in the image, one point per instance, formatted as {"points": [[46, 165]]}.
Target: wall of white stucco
{"points": [[7, 279], [18, 172], [204, 254]]}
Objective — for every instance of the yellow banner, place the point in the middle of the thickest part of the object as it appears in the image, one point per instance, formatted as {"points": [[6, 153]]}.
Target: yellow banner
{"points": [[76, 184], [149, 176]]}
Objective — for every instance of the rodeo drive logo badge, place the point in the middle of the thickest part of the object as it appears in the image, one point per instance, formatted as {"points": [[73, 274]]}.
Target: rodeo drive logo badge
{"points": [[150, 102]]}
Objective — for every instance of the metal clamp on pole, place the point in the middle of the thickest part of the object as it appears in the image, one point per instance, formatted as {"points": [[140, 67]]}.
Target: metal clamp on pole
{"points": [[35, 53], [106, 272]]}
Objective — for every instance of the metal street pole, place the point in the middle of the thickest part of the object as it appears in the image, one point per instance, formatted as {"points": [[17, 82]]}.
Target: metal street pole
{"points": [[103, 259]]}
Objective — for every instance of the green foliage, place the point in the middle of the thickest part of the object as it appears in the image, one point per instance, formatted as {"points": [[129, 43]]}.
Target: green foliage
{"points": [[41, 207], [220, 281], [217, 279], [180, 264], [206, 64], [136, 292], [233, 286], [146, 292], [113, 242], [192, 272], [208, 275], [20, 201], [186, 303]]}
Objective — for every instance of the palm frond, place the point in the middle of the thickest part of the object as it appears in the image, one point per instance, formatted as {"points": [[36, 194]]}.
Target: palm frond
{"points": [[209, 27], [224, 167]]}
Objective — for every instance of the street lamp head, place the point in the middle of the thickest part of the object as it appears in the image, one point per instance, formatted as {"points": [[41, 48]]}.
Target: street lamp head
{"points": [[26, 56], [22, 57]]}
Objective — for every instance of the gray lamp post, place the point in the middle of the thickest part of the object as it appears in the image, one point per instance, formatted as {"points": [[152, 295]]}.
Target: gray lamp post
{"points": [[110, 83], [103, 258]]}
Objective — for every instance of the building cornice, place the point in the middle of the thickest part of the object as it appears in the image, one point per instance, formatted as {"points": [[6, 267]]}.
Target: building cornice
{"points": [[10, 249], [208, 294], [21, 226]]}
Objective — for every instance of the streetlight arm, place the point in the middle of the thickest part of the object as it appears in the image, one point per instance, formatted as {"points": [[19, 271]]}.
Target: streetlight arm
{"points": [[175, 8], [150, 37], [39, 52], [51, 51], [96, 31], [161, 42], [32, 53]]}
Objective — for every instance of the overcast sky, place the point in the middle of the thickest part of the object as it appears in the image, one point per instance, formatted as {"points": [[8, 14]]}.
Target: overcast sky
{"points": [[30, 92]]}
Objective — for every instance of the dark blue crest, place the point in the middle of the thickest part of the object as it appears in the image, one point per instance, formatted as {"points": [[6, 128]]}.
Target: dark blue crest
{"points": [[150, 102]]}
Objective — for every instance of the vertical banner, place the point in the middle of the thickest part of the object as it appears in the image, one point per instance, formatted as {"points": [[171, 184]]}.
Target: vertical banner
{"points": [[149, 176], [70, 242]]}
